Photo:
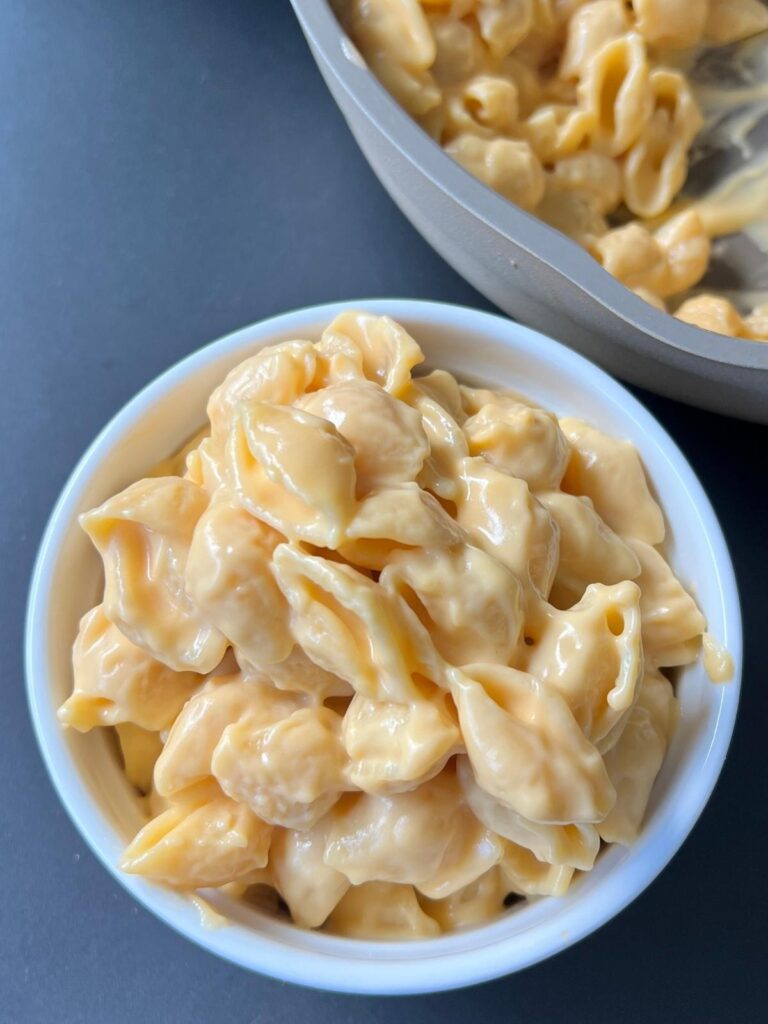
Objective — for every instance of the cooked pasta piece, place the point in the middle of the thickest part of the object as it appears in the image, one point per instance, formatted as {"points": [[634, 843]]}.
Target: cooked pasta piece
{"points": [[350, 626], [574, 846], [526, 747], [277, 374], [634, 762], [288, 772], [523, 442], [591, 654], [610, 473], [397, 519], [476, 903], [509, 166], [672, 624], [140, 749], [308, 885], [525, 539], [470, 602], [143, 536], [196, 845], [188, 751], [299, 674], [294, 471], [379, 910], [400, 838], [387, 352], [590, 552], [395, 747], [115, 681], [229, 577], [386, 435], [527, 876]]}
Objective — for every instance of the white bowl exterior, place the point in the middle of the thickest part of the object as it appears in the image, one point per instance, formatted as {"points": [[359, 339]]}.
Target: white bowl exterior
{"points": [[475, 346]]}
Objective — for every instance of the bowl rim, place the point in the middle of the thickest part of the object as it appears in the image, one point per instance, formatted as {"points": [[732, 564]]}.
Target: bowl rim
{"points": [[545, 243], [329, 970]]}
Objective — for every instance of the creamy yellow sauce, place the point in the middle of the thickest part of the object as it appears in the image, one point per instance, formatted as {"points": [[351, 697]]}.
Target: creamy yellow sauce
{"points": [[210, 919], [717, 661]]}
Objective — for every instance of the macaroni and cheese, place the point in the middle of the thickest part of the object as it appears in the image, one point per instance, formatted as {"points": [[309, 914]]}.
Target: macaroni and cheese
{"points": [[574, 110], [393, 646]]}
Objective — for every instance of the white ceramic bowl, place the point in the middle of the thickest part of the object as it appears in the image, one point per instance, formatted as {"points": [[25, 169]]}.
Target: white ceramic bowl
{"points": [[90, 783]]}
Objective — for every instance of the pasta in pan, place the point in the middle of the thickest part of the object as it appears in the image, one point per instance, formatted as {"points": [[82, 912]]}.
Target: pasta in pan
{"points": [[575, 111], [389, 644]]}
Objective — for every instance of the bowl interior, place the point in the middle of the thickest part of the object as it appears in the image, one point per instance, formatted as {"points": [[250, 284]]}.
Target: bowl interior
{"points": [[85, 770]]}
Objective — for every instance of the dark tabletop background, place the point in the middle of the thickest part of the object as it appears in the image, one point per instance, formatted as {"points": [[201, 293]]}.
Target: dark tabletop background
{"points": [[171, 170]]}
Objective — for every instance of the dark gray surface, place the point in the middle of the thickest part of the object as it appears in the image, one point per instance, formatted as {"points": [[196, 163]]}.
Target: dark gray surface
{"points": [[171, 170]]}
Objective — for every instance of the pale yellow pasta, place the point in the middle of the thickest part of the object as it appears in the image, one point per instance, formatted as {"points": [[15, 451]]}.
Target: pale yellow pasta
{"points": [[386, 351], [672, 23], [308, 885], [579, 111], [115, 681], [573, 846], [426, 623], [193, 846], [470, 602], [671, 622], [572, 209], [713, 313], [615, 91], [292, 470], [447, 443], [143, 535], [380, 910], [299, 674], [228, 575], [278, 374], [687, 249], [593, 176], [557, 130], [589, 29], [525, 539], [610, 473], [504, 23], [527, 876], [350, 626], [508, 166], [591, 654], [636, 759], [387, 436], [395, 747], [660, 264], [472, 851], [400, 838], [395, 519], [288, 772], [526, 747], [657, 164], [521, 441], [457, 48], [188, 751], [590, 552], [205, 467], [485, 105], [472, 905]]}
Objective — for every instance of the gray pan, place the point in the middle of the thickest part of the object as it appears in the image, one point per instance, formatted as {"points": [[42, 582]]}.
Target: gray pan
{"points": [[532, 272]]}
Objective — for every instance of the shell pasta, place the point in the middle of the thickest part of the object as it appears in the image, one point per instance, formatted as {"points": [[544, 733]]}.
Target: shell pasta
{"points": [[574, 110], [388, 644]]}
